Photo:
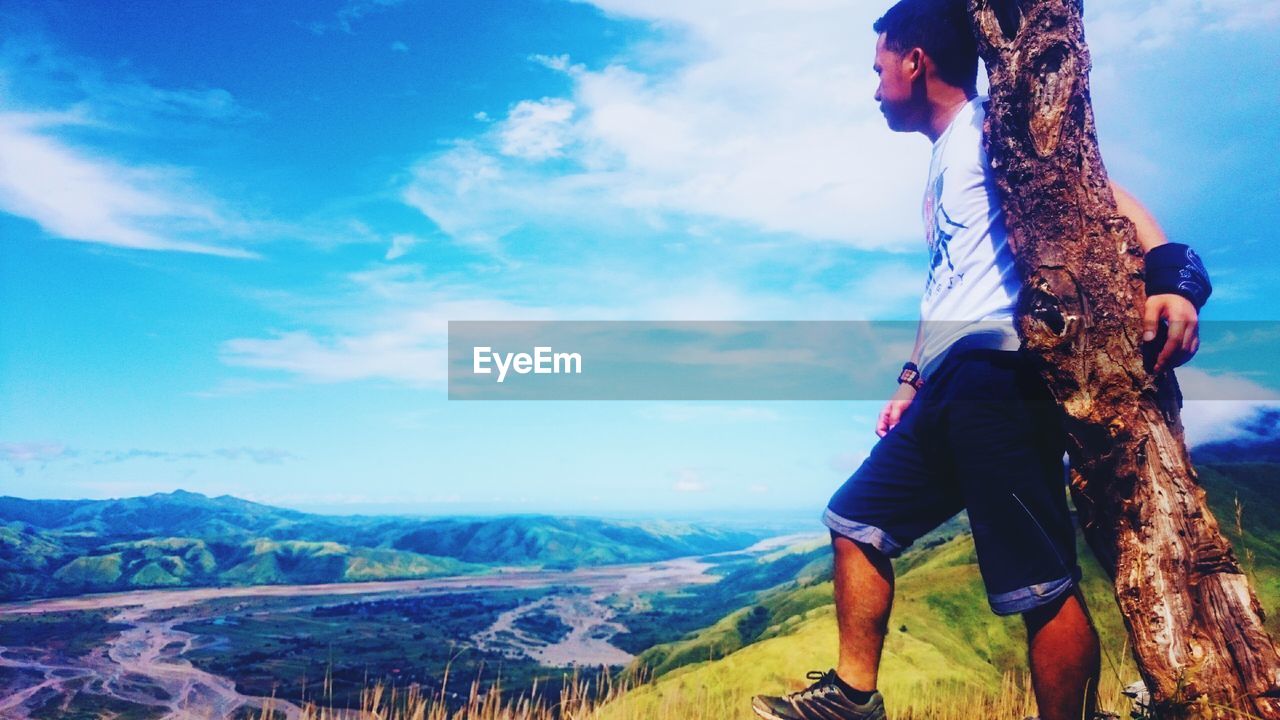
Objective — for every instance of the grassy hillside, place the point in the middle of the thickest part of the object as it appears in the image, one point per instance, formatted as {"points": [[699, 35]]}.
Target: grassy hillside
{"points": [[59, 547], [942, 637], [944, 643], [669, 630]]}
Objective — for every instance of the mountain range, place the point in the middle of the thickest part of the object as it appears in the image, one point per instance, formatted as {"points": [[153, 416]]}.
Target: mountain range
{"points": [[61, 547]]}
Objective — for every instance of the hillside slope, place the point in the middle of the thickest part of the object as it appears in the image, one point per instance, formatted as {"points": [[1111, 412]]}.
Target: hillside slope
{"points": [[943, 639]]}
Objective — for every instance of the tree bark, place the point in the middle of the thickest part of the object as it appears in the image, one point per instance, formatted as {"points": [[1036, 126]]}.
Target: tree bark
{"points": [[1195, 623]]}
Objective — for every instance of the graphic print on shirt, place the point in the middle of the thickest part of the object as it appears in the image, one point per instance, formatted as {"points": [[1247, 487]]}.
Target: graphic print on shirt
{"points": [[939, 229]]}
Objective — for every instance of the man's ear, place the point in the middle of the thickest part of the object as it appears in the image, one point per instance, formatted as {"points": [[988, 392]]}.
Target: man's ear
{"points": [[914, 61]]}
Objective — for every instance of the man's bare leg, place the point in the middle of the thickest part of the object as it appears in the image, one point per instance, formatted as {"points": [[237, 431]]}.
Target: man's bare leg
{"points": [[1063, 648], [864, 594]]}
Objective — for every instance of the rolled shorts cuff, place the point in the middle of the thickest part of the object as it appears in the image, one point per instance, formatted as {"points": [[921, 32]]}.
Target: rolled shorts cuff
{"points": [[1032, 596], [863, 533]]}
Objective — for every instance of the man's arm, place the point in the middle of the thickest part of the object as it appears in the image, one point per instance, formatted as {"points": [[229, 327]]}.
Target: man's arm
{"points": [[1184, 329], [1149, 233], [919, 346], [902, 397]]}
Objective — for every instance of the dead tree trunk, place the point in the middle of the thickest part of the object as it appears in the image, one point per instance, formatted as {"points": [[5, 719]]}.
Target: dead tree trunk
{"points": [[1195, 623]]}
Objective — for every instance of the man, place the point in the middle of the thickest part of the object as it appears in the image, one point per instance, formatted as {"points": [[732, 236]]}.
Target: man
{"points": [[972, 425]]}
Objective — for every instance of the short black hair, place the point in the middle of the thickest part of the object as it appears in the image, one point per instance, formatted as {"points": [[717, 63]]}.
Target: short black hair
{"points": [[941, 29]]}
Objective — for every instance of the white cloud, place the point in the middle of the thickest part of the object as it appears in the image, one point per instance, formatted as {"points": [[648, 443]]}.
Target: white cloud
{"points": [[758, 117], [1201, 385], [350, 13], [19, 454], [408, 345], [1119, 27], [357, 9], [73, 190], [1240, 15], [400, 245], [1212, 420], [760, 114], [536, 130], [400, 46], [391, 355], [769, 123], [559, 63], [461, 193], [1219, 405], [688, 481], [75, 195], [393, 322], [260, 456]]}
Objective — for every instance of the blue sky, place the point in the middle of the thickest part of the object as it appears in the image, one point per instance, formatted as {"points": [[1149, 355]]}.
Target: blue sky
{"points": [[232, 234]]}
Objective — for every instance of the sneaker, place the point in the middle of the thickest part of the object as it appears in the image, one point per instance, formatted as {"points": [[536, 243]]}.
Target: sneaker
{"points": [[823, 700], [1098, 715]]}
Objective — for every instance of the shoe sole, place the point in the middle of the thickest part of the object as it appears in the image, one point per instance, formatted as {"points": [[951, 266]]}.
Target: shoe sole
{"points": [[768, 714], [764, 712]]}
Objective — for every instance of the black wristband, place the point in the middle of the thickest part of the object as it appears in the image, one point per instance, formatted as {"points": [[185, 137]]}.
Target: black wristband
{"points": [[1176, 268]]}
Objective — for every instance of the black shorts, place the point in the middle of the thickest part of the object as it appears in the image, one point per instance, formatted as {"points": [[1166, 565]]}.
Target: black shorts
{"points": [[982, 435]]}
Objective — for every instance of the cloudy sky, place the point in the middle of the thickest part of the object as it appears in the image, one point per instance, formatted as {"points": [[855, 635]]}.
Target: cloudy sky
{"points": [[232, 234]]}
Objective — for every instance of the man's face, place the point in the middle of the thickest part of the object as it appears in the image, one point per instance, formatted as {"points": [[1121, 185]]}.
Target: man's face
{"points": [[895, 93]]}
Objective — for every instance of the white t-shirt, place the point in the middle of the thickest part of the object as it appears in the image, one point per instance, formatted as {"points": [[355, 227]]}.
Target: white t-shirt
{"points": [[973, 284]]}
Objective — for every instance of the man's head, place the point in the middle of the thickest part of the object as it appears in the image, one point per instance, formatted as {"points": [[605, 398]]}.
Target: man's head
{"points": [[924, 46]]}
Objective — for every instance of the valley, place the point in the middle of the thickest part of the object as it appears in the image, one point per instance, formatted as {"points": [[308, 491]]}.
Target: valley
{"points": [[222, 651]]}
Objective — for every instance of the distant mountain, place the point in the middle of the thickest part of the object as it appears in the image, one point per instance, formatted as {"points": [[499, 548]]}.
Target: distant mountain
{"points": [[178, 513], [568, 542], [59, 547]]}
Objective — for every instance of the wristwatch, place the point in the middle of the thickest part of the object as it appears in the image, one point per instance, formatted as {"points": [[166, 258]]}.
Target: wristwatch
{"points": [[911, 375]]}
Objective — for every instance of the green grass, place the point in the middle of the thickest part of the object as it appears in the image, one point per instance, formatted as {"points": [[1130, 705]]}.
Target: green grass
{"points": [[944, 640], [72, 634], [91, 572]]}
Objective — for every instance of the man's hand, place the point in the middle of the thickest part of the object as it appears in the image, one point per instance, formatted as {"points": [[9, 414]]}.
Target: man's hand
{"points": [[893, 409], [1184, 330]]}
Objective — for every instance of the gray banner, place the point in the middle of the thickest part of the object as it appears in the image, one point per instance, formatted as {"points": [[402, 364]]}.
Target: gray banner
{"points": [[758, 360]]}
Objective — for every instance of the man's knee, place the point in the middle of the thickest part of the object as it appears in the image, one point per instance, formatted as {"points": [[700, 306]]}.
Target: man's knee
{"points": [[1066, 611], [849, 550], [846, 544]]}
